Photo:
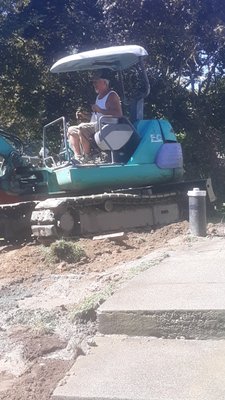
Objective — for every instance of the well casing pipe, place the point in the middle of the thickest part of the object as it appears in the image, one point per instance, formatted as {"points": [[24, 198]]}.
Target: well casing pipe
{"points": [[197, 212]]}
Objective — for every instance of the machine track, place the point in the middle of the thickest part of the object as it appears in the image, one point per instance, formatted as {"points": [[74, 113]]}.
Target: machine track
{"points": [[15, 220], [102, 213], [75, 216]]}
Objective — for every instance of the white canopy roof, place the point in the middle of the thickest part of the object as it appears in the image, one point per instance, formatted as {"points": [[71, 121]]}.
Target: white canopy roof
{"points": [[115, 58]]}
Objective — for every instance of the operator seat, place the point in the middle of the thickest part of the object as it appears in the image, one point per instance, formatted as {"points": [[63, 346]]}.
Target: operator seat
{"points": [[118, 136]]}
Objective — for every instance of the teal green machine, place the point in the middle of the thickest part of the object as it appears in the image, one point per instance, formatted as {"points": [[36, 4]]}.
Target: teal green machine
{"points": [[147, 153], [141, 152], [53, 195]]}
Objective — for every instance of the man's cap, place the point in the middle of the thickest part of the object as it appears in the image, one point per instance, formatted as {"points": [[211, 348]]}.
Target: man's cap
{"points": [[101, 74]]}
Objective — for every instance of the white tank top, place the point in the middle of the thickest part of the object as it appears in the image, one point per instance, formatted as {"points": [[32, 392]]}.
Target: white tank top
{"points": [[100, 103]]}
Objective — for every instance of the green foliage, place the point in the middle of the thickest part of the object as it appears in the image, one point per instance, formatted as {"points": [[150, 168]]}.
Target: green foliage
{"points": [[62, 250], [33, 36], [181, 136]]}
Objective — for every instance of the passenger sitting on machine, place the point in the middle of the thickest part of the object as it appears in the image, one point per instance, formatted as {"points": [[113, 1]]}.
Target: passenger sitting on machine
{"points": [[107, 103]]}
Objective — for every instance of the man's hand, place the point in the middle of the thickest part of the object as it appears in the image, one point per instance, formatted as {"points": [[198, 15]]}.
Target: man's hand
{"points": [[83, 115], [96, 108], [79, 114]]}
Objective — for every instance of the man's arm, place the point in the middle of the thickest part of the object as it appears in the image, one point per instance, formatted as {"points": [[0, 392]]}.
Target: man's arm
{"points": [[113, 105]]}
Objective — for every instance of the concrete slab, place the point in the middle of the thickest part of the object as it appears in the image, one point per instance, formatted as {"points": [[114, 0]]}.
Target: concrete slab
{"points": [[182, 296], [123, 368]]}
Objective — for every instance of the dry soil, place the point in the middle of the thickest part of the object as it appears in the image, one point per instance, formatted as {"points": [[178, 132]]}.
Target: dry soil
{"points": [[47, 310]]}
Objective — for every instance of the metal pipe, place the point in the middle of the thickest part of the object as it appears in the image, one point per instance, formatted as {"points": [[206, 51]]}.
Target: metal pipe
{"points": [[197, 212]]}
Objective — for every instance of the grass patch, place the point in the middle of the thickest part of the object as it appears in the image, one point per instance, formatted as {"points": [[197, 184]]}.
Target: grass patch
{"points": [[41, 327], [144, 265], [86, 310], [63, 250]]}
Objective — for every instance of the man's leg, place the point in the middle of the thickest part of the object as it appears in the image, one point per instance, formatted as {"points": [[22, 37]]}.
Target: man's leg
{"points": [[86, 133], [84, 142], [74, 140]]}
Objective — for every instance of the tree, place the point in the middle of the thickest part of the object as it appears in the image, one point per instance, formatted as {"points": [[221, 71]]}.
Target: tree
{"points": [[33, 37]]}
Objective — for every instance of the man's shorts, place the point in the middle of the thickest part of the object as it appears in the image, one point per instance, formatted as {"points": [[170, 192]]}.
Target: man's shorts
{"points": [[88, 130]]}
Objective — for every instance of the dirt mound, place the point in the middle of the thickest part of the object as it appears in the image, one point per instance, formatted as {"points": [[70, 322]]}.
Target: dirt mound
{"points": [[101, 254]]}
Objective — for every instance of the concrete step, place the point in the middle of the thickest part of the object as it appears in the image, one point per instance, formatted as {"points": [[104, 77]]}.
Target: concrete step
{"points": [[183, 296], [140, 368]]}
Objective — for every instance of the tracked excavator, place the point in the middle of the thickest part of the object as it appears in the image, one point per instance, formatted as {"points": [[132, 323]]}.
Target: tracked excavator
{"points": [[139, 184]]}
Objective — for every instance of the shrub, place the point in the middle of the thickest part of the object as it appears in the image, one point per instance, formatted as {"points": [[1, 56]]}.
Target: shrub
{"points": [[61, 250]]}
